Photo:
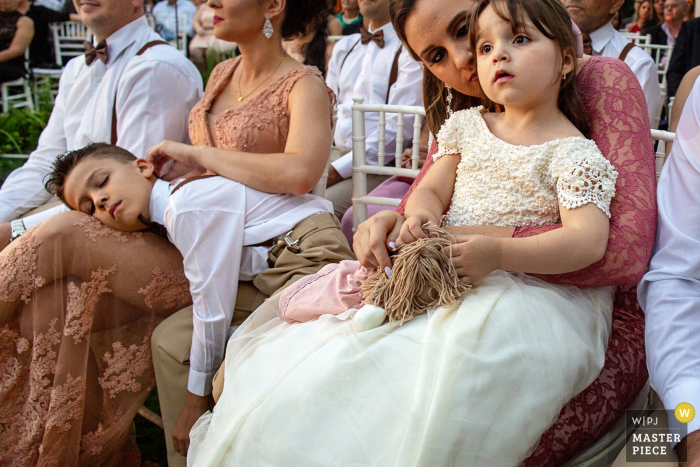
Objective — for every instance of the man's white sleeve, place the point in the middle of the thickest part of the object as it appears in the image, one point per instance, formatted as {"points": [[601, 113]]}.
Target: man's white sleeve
{"points": [[669, 293]]}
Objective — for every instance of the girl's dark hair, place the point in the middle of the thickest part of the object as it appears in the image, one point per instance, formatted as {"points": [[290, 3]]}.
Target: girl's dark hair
{"points": [[316, 49], [301, 16], [552, 20], [434, 92]]}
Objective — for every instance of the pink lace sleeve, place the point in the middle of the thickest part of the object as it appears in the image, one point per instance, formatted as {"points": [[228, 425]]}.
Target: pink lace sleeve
{"points": [[620, 128]]}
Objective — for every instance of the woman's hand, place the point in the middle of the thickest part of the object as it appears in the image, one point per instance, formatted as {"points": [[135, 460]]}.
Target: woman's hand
{"points": [[373, 238], [412, 228], [475, 257], [183, 157]]}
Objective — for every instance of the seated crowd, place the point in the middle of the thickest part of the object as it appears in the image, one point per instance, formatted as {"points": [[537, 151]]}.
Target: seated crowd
{"points": [[157, 234]]}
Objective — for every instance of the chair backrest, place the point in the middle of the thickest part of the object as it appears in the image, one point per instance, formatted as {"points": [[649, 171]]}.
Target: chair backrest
{"points": [[636, 38], [320, 188], [662, 137], [332, 39], [68, 38], [360, 168]]}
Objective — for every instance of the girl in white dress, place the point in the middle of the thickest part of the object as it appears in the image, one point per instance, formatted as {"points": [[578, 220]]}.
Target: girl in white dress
{"points": [[478, 383]]}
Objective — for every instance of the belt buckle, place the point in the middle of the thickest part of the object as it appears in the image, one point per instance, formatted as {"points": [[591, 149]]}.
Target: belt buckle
{"points": [[291, 244]]}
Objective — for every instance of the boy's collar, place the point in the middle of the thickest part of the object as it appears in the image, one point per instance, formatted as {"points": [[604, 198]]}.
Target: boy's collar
{"points": [[159, 199]]}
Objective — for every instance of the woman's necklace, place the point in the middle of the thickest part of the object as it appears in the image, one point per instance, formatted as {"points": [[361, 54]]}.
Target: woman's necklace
{"points": [[261, 83]]}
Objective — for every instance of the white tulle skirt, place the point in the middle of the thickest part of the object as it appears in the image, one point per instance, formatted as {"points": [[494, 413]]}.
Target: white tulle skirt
{"points": [[474, 385]]}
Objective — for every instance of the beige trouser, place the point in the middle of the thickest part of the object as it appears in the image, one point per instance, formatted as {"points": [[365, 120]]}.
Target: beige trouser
{"points": [[340, 194], [170, 344], [321, 242]]}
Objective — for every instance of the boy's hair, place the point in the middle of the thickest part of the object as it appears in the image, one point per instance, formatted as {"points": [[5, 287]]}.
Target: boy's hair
{"points": [[62, 166], [553, 21]]}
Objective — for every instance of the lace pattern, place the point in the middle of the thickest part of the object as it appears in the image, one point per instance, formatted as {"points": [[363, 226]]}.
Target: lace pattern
{"points": [[170, 289], [94, 229], [82, 302], [260, 125], [124, 366], [507, 185], [17, 278]]}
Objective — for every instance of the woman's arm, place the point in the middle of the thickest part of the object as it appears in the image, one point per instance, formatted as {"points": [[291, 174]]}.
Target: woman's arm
{"points": [[23, 37], [197, 23], [297, 170]]}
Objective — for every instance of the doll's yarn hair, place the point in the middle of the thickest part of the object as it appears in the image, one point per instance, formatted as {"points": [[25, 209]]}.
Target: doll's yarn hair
{"points": [[423, 277]]}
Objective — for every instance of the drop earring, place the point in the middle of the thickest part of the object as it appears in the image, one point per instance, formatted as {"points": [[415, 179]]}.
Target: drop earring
{"points": [[448, 100], [267, 28]]}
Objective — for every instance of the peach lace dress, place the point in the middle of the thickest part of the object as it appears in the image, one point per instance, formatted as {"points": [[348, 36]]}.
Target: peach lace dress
{"points": [[78, 304]]}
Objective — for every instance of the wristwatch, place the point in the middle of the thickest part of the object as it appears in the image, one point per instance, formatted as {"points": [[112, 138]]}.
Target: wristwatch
{"points": [[17, 229]]}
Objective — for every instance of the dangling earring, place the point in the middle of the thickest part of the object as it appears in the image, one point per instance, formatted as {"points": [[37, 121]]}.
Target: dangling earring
{"points": [[448, 100], [267, 28]]}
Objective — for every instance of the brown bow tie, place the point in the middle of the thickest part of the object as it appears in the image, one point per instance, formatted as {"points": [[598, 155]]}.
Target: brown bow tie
{"points": [[92, 52], [377, 37], [587, 44]]}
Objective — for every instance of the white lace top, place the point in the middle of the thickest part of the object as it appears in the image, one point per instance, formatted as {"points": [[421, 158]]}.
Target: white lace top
{"points": [[501, 184]]}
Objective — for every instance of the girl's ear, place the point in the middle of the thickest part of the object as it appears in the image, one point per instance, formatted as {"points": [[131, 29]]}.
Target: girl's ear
{"points": [[568, 63], [145, 168]]}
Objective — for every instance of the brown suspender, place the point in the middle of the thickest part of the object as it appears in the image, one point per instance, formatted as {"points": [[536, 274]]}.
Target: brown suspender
{"points": [[394, 72], [113, 139], [394, 68], [188, 180], [625, 51]]}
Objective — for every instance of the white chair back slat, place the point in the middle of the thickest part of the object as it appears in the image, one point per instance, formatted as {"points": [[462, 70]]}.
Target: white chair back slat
{"points": [[415, 150], [333, 39], [320, 188], [398, 154], [68, 38], [360, 168], [381, 139], [662, 137], [636, 38]]}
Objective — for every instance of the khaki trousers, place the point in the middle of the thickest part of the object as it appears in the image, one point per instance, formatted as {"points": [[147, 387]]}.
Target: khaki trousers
{"points": [[320, 242], [340, 194]]}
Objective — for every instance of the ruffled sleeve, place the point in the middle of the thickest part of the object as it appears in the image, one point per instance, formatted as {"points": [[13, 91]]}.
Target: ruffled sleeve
{"points": [[452, 133], [583, 175]]}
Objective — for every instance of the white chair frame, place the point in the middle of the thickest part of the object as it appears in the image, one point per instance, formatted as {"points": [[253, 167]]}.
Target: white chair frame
{"points": [[662, 137], [333, 39], [23, 98], [636, 38], [360, 168], [68, 38]]}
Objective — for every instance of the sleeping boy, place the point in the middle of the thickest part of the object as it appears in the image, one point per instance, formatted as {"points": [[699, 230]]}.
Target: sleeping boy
{"points": [[224, 230]]}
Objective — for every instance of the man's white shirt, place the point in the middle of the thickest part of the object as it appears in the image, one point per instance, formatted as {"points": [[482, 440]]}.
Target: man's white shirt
{"points": [[669, 293], [365, 73], [55, 5], [164, 13], [155, 93], [607, 42], [214, 223]]}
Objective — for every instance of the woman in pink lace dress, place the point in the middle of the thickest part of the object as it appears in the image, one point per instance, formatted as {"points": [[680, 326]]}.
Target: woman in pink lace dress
{"points": [[620, 128], [78, 301]]}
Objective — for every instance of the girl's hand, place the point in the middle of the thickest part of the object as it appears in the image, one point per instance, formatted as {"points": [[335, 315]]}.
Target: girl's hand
{"points": [[373, 238], [183, 157], [412, 228], [475, 257]]}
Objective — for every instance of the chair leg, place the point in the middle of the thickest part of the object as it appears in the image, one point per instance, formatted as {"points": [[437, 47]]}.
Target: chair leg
{"points": [[5, 97]]}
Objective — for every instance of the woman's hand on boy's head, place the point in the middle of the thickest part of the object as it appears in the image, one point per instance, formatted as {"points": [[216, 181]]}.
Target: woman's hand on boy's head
{"points": [[475, 257], [181, 154], [373, 236]]}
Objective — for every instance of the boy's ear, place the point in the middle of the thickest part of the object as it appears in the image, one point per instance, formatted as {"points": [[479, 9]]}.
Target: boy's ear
{"points": [[146, 168]]}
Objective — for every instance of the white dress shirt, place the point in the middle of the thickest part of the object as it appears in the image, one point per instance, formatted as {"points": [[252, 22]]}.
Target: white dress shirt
{"points": [[607, 42], [211, 221], [155, 93], [164, 13], [669, 292], [365, 73]]}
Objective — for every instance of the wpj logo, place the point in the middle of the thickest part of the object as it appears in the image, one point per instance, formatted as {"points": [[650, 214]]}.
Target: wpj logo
{"points": [[651, 438]]}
